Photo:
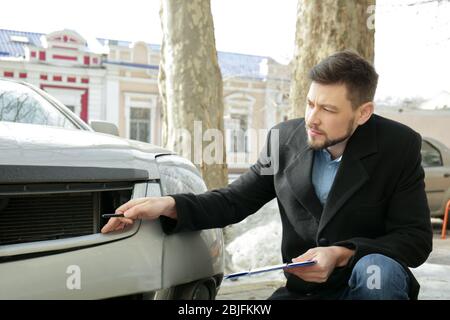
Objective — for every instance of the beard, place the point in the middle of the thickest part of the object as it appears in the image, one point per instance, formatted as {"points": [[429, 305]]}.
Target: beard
{"points": [[315, 145]]}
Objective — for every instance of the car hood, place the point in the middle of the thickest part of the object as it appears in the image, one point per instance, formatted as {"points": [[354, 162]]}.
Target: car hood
{"points": [[35, 145]]}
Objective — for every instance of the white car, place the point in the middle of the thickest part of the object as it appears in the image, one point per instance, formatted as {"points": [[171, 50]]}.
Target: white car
{"points": [[57, 176]]}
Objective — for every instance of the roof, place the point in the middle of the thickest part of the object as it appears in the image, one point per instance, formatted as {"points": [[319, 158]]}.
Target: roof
{"points": [[124, 43], [241, 65], [134, 65], [14, 48], [231, 64]]}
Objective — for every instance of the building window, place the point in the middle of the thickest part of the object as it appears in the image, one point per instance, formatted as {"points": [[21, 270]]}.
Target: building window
{"points": [[238, 126], [237, 121], [71, 98], [140, 124], [140, 114]]}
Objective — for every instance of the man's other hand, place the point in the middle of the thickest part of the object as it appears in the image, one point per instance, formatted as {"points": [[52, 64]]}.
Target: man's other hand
{"points": [[327, 259]]}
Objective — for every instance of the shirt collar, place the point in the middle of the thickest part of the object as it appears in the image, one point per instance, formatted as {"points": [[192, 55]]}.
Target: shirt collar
{"points": [[327, 156]]}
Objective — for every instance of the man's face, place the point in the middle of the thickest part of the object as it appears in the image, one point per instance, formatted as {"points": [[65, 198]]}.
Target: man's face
{"points": [[329, 117]]}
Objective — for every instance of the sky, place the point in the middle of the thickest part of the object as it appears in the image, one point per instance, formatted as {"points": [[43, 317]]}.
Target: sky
{"points": [[412, 43]]}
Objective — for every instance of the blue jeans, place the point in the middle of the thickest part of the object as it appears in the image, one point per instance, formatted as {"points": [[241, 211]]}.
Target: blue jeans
{"points": [[377, 277], [374, 277]]}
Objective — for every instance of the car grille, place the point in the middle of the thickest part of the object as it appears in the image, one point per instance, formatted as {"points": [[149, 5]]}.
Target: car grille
{"points": [[47, 217], [37, 217]]}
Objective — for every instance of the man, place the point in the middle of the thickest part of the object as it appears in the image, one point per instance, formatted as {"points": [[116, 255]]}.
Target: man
{"points": [[350, 189]]}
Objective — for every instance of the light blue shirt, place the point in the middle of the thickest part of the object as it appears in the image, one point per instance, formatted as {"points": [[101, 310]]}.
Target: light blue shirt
{"points": [[324, 172]]}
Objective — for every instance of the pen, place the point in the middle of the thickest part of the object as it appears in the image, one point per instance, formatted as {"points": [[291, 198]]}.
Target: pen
{"points": [[112, 215]]}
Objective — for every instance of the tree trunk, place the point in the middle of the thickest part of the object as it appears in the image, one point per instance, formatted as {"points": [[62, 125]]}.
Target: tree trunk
{"points": [[324, 27], [191, 87]]}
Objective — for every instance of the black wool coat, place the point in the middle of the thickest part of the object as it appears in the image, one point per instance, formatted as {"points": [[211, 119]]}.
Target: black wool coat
{"points": [[377, 203]]}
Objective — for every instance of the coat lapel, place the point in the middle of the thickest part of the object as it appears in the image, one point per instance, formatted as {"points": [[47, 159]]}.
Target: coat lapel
{"points": [[298, 174], [350, 177], [351, 174]]}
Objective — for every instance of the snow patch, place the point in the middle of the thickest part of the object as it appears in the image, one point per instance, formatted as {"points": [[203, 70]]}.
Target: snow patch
{"points": [[255, 242]]}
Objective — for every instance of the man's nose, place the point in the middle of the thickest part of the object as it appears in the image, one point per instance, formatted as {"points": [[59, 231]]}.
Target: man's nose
{"points": [[313, 119]]}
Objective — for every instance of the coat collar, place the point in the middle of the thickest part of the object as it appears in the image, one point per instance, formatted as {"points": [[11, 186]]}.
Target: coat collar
{"points": [[350, 177]]}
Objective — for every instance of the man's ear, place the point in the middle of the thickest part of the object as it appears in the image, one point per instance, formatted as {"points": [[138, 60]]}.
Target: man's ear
{"points": [[365, 111]]}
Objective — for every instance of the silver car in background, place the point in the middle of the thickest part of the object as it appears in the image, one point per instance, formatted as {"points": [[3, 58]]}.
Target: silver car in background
{"points": [[436, 164], [57, 176]]}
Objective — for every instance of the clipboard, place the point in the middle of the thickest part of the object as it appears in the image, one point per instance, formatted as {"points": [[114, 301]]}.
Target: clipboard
{"points": [[270, 268]]}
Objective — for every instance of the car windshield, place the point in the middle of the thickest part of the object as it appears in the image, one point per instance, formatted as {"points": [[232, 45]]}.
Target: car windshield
{"points": [[20, 104]]}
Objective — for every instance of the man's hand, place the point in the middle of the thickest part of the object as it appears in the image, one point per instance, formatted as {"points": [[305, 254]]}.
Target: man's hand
{"points": [[327, 259], [142, 208]]}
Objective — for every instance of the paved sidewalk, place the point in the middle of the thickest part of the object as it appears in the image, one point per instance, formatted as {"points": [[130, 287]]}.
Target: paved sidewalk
{"points": [[249, 289], [433, 276]]}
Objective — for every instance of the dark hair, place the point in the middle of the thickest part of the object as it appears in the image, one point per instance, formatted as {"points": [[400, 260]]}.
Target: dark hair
{"points": [[349, 68]]}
